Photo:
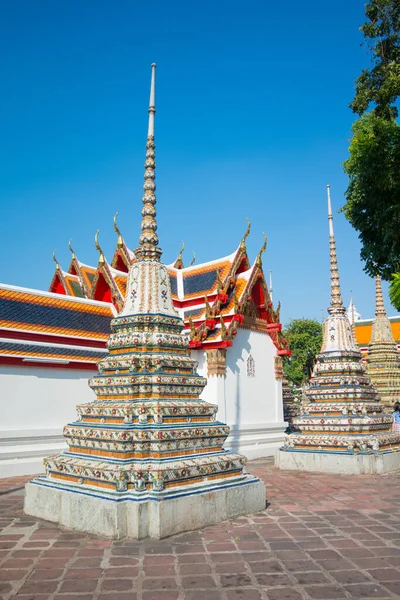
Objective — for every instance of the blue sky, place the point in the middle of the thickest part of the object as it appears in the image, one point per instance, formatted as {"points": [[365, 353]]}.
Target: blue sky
{"points": [[252, 120]]}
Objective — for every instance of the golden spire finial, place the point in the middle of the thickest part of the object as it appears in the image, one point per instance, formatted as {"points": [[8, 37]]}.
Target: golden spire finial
{"points": [[193, 259], [246, 235], [336, 296], [102, 259], [120, 240], [58, 268], [379, 304], [179, 257], [148, 240], [71, 249], [261, 252]]}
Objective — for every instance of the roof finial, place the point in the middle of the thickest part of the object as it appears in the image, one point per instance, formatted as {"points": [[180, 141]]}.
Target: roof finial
{"points": [[353, 320], [102, 259], [179, 257], [56, 261], [193, 259], [120, 240], [246, 235], [148, 240], [262, 250], [152, 103], [379, 304], [336, 297], [270, 284], [71, 249]]}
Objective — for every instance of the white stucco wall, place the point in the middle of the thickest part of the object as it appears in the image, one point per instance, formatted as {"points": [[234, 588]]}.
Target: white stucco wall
{"points": [[36, 403], [251, 406]]}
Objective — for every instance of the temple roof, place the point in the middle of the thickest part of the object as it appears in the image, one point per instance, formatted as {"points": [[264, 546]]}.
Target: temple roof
{"points": [[46, 327], [202, 293]]}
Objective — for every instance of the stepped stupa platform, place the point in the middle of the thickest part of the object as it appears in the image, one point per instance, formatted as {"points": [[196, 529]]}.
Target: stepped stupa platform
{"points": [[343, 426], [383, 360], [146, 458]]}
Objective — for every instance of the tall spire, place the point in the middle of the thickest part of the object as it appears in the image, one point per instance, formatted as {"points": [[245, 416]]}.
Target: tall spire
{"points": [[148, 239], [379, 305], [336, 297]]}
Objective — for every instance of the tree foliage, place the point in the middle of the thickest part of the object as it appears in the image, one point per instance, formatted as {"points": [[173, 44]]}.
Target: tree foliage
{"points": [[373, 194], [380, 84], [305, 340], [394, 291]]}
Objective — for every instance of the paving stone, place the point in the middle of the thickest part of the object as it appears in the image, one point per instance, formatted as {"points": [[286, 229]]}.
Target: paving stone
{"points": [[267, 566], [273, 579], [311, 577], [112, 596], [159, 595], [385, 575], [288, 593], [46, 574], [231, 567], [164, 583], [241, 594], [202, 569], [39, 587], [198, 581], [116, 585], [78, 585], [350, 576], [366, 590], [325, 592]]}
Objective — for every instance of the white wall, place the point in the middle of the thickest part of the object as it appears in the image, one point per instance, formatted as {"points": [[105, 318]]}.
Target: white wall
{"points": [[251, 406], [35, 404]]}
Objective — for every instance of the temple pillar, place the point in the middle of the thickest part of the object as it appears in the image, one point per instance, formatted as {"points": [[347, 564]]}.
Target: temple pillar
{"points": [[216, 374], [278, 370]]}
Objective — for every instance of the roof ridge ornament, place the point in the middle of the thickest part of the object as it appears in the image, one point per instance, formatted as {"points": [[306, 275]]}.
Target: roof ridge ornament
{"points": [[336, 296], [120, 240], [148, 241], [193, 259], [102, 259], [71, 249], [270, 285], [58, 268], [261, 252], [246, 235]]}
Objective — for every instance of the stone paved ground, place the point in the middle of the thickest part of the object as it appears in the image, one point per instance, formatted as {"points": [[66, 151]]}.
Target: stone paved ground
{"points": [[321, 538]]}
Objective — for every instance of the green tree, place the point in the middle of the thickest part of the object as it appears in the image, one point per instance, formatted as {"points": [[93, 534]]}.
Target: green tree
{"points": [[380, 84], [305, 340], [394, 291], [373, 194]]}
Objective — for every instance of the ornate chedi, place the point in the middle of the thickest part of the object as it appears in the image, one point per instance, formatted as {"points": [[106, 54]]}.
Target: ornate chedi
{"points": [[290, 405], [342, 427], [383, 360], [146, 457]]}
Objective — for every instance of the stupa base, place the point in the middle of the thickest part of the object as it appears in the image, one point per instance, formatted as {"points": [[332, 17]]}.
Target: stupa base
{"points": [[140, 515], [344, 463]]}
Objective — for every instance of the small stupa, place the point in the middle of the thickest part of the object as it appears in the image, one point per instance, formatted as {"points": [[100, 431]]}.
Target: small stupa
{"points": [[146, 458], [342, 427], [383, 360], [290, 405]]}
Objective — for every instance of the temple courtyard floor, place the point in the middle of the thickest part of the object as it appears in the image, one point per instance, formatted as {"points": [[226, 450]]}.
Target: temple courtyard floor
{"points": [[321, 537]]}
